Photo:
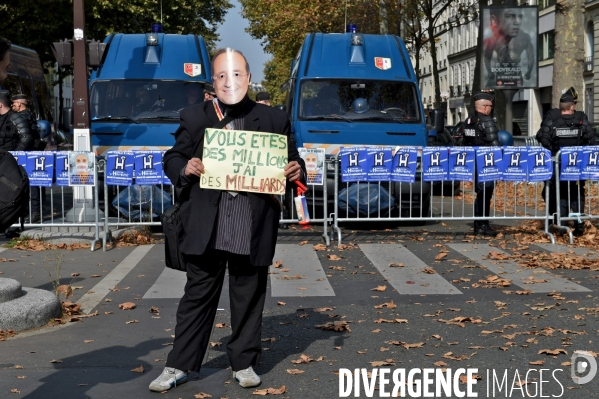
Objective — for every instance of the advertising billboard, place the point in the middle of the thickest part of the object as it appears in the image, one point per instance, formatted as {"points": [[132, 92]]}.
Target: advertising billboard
{"points": [[509, 47]]}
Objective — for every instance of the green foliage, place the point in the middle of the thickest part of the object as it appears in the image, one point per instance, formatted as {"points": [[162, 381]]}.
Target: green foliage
{"points": [[38, 23]]}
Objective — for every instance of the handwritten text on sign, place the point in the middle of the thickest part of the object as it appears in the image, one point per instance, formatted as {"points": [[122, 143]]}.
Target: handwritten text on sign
{"points": [[236, 160]]}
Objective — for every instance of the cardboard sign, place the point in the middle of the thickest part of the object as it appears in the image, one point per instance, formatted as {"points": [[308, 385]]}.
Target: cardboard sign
{"points": [[435, 163], [61, 168], [515, 163], [82, 168], [40, 168], [378, 161], [461, 163], [148, 167], [489, 164], [119, 168], [570, 163], [540, 164], [590, 163], [315, 167], [354, 164], [403, 167], [236, 160]]}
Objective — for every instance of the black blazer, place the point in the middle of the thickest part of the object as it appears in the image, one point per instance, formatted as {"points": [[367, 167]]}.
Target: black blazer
{"points": [[198, 214]]}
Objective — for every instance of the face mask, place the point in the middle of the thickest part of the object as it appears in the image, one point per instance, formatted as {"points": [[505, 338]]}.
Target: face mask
{"points": [[81, 167], [311, 165]]}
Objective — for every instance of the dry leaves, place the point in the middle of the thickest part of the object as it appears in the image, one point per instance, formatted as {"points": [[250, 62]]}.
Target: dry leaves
{"points": [[460, 321], [338, 326], [127, 306], [381, 320], [382, 363], [202, 395], [295, 371], [278, 264], [305, 359], [380, 288], [270, 391], [320, 247], [554, 352], [333, 257], [220, 325], [6, 334], [139, 369], [388, 305]]}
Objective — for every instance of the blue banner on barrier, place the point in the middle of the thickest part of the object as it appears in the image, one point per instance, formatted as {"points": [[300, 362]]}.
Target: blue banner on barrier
{"points": [[21, 157], [148, 167], [590, 163], [570, 163], [165, 180], [435, 163], [489, 163], [40, 168], [461, 163], [354, 164], [61, 168], [119, 168], [403, 168], [515, 163], [540, 164], [379, 164]]}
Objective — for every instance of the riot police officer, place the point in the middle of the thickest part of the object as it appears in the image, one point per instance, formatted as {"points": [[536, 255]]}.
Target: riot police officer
{"points": [[20, 105], [15, 134], [481, 130], [568, 128]]}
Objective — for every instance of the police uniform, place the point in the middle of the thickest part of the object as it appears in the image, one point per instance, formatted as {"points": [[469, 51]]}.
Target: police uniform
{"points": [[15, 134], [481, 130], [559, 131], [34, 193]]}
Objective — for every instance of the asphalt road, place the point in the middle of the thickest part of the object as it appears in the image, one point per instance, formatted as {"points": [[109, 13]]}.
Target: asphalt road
{"points": [[436, 311]]}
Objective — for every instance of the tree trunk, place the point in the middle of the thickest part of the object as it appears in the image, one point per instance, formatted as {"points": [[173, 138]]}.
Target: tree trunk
{"points": [[569, 44], [433, 49], [383, 17]]}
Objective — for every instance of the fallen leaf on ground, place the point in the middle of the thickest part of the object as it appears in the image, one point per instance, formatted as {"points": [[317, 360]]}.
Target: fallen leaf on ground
{"points": [[213, 344], [295, 371], [220, 325], [15, 390], [380, 288], [320, 310], [333, 257], [88, 341], [270, 391], [278, 263], [139, 369], [303, 242], [381, 363], [389, 305], [127, 306], [281, 303], [440, 255], [54, 361], [554, 352], [334, 326], [65, 289], [320, 247], [537, 363], [202, 395], [132, 321]]}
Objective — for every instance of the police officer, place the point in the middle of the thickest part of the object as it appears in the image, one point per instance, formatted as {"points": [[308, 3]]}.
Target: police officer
{"points": [[568, 128], [481, 130], [20, 105], [15, 134]]}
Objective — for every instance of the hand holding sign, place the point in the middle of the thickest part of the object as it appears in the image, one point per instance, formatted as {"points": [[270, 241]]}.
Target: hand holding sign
{"points": [[194, 167], [236, 160]]}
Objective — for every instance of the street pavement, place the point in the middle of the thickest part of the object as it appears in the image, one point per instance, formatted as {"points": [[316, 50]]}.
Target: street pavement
{"points": [[406, 305]]}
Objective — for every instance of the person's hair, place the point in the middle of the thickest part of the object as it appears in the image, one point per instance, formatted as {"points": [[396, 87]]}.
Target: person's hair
{"points": [[229, 50], [565, 106], [5, 101], [4, 46]]}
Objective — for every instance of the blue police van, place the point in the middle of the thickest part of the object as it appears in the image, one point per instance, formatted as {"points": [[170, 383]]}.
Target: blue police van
{"points": [[350, 89], [140, 85]]}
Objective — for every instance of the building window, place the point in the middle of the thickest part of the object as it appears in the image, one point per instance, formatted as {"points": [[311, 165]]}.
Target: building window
{"points": [[546, 45], [545, 3]]}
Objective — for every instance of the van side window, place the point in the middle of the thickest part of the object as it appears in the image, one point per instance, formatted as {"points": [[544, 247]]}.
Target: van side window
{"points": [[28, 91], [12, 84], [43, 99]]}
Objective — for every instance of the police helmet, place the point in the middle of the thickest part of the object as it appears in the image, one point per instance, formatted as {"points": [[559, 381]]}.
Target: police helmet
{"points": [[505, 137], [360, 105], [44, 129], [571, 91]]}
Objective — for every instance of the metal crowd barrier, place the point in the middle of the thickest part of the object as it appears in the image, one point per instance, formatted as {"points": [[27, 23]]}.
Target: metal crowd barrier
{"points": [[317, 200], [581, 199], [61, 205], [416, 202]]}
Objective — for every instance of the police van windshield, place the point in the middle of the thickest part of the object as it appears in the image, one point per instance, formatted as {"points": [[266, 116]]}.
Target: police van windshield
{"points": [[359, 101], [141, 100]]}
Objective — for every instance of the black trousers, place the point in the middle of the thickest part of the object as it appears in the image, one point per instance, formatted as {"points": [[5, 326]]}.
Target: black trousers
{"points": [[197, 310], [571, 196], [484, 193]]}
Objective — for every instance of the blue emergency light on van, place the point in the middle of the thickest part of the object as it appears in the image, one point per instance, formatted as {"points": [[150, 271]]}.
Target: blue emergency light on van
{"points": [[141, 85], [353, 89]]}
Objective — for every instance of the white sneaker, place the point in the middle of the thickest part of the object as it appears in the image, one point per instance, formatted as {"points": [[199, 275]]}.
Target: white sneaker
{"points": [[247, 378], [170, 378]]}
